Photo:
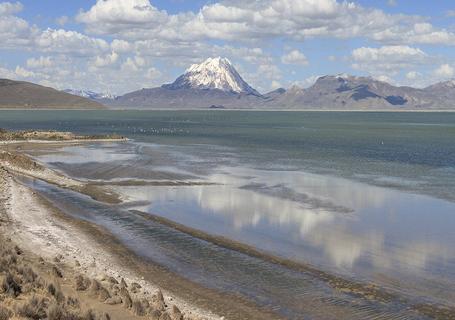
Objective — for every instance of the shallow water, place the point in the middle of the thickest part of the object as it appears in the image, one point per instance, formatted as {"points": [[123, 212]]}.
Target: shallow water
{"points": [[351, 228], [368, 196], [293, 294]]}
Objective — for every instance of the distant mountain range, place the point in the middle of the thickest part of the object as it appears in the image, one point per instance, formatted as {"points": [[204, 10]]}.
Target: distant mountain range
{"points": [[213, 83], [21, 94], [216, 84], [90, 94]]}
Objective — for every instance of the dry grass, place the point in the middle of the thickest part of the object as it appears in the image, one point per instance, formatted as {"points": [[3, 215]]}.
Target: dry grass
{"points": [[165, 316], [32, 289], [19, 160], [56, 272], [158, 301], [81, 283], [123, 283], [155, 314], [29, 295], [126, 298], [103, 294], [55, 291], [135, 287], [5, 313], [10, 286], [33, 308], [138, 308], [33, 297], [176, 314], [98, 291]]}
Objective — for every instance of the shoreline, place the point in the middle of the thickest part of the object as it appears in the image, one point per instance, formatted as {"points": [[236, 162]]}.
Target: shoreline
{"points": [[73, 141], [286, 110], [112, 255], [90, 250], [227, 109], [21, 164]]}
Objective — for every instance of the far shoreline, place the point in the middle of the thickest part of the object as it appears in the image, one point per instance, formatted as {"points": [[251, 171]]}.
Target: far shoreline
{"points": [[227, 109]]}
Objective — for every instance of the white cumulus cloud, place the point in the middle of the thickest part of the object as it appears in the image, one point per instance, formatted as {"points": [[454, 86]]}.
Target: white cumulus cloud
{"points": [[294, 57], [8, 8], [387, 58], [413, 75], [444, 71], [64, 41], [41, 62], [257, 20], [111, 16]]}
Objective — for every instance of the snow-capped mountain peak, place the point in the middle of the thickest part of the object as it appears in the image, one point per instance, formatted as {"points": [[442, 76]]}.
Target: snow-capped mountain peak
{"points": [[213, 73], [449, 83], [443, 87], [90, 94]]}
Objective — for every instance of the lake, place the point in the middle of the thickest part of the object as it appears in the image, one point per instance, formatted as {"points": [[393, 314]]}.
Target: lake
{"points": [[368, 197]]}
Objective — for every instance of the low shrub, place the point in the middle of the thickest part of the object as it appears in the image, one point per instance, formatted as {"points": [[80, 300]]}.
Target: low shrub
{"points": [[56, 272], [176, 313], [58, 312], [11, 286], [103, 294], [28, 275], [95, 287], [135, 287], [155, 314], [105, 316], [55, 312], [138, 308], [51, 289], [34, 308], [165, 316], [72, 302], [54, 290], [123, 283], [5, 314], [89, 315], [81, 283], [126, 298]]}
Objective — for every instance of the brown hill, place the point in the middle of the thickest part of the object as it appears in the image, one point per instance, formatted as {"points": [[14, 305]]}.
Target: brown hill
{"points": [[21, 94]]}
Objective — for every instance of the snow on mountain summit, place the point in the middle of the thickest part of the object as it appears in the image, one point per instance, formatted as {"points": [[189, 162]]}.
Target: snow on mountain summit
{"points": [[449, 83], [90, 94], [213, 73]]}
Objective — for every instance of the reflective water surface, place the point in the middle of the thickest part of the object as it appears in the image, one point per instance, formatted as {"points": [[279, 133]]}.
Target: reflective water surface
{"points": [[368, 233], [369, 197], [293, 294]]}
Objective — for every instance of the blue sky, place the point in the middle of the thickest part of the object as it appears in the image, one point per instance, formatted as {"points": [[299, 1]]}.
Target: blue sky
{"points": [[122, 45]]}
